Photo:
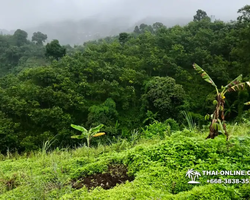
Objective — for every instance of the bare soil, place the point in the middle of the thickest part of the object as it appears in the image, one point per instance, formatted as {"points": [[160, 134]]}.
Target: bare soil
{"points": [[116, 174]]}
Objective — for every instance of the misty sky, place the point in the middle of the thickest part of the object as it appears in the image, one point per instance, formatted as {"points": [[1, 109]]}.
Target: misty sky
{"points": [[28, 13]]}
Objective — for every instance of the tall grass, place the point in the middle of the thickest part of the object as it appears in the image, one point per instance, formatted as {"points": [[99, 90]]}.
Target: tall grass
{"points": [[189, 120], [45, 172]]}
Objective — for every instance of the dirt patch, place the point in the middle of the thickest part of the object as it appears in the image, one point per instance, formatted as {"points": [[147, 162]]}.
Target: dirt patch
{"points": [[116, 174]]}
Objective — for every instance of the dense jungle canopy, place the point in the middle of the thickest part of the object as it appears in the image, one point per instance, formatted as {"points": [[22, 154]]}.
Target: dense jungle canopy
{"points": [[118, 81]]}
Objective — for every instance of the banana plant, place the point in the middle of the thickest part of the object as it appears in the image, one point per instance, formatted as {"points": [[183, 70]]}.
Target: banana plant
{"points": [[88, 134], [218, 116]]}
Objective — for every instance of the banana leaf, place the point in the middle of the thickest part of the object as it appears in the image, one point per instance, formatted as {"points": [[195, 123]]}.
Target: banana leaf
{"points": [[95, 129], [78, 136], [79, 128], [236, 87], [233, 82], [204, 74]]}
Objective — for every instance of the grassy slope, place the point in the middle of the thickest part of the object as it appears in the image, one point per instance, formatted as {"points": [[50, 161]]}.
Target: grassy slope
{"points": [[159, 167]]}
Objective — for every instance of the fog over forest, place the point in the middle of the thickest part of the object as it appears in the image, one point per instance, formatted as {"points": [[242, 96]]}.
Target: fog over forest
{"points": [[74, 21], [122, 99]]}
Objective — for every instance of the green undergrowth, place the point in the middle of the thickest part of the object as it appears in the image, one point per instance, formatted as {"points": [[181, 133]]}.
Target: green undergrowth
{"points": [[158, 165]]}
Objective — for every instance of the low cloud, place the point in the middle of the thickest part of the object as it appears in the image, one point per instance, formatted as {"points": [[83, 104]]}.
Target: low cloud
{"points": [[29, 13]]}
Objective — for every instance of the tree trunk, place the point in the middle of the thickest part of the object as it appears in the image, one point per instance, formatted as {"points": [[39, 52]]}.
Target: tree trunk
{"points": [[218, 114]]}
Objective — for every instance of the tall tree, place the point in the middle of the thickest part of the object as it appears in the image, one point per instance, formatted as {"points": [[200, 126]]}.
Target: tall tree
{"points": [[157, 25], [39, 38], [245, 14], [200, 14], [164, 96], [137, 30], [55, 50], [20, 37], [123, 37]]}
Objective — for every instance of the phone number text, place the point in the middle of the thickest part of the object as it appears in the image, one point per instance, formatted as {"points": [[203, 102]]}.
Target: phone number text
{"points": [[229, 181]]}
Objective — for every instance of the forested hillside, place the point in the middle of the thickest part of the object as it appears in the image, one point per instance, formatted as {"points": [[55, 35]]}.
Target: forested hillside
{"points": [[124, 82], [140, 115]]}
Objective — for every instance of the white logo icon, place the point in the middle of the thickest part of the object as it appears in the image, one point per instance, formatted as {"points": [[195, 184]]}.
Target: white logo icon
{"points": [[193, 175]]}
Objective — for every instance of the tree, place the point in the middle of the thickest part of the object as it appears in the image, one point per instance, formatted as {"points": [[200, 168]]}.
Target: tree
{"points": [[20, 37], [137, 30], [143, 26], [200, 15], [163, 95], [123, 37], [55, 50], [241, 49], [39, 38], [245, 14], [218, 117], [157, 26], [104, 113]]}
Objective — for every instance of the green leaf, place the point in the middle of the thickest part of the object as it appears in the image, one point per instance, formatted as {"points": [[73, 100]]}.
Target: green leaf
{"points": [[233, 82], [207, 117], [78, 136], [96, 129], [221, 125], [79, 128], [237, 87], [204, 74]]}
